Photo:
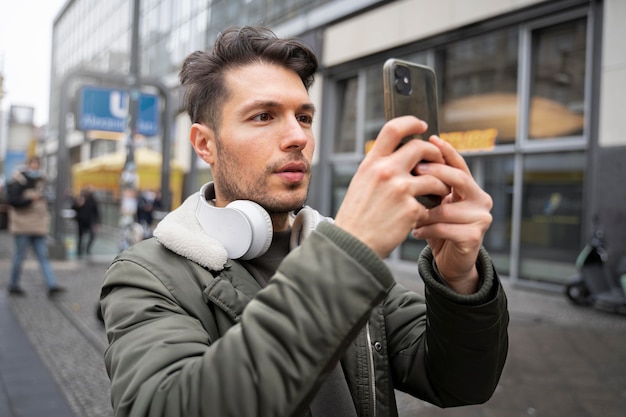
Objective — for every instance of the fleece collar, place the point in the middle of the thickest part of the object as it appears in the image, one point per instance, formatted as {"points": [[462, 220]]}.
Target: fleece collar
{"points": [[181, 233]]}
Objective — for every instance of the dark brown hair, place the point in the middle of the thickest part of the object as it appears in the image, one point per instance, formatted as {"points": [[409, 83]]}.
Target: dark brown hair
{"points": [[202, 73]]}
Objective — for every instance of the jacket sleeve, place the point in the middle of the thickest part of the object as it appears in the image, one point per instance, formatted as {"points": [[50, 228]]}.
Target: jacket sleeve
{"points": [[452, 351], [15, 195], [163, 362]]}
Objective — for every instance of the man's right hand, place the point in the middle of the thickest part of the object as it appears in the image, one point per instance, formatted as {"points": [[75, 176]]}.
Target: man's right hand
{"points": [[379, 207]]}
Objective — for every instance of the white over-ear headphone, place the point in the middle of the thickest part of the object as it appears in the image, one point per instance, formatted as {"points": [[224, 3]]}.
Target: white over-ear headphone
{"points": [[245, 228]]}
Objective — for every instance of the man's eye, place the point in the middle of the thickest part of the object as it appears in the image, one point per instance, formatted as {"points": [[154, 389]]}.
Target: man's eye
{"points": [[305, 118], [262, 117]]}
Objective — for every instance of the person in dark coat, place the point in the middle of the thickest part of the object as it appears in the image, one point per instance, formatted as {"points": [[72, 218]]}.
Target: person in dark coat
{"points": [[87, 219], [149, 200], [29, 223]]}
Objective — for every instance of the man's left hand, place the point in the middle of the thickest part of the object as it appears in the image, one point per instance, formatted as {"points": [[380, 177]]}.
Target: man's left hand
{"points": [[455, 229]]}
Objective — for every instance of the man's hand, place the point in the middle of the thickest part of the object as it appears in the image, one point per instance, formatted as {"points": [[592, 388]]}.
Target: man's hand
{"points": [[379, 207], [455, 229]]}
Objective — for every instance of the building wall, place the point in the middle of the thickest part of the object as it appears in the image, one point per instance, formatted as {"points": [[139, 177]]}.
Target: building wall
{"points": [[613, 75], [361, 40], [608, 192], [405, 21]]}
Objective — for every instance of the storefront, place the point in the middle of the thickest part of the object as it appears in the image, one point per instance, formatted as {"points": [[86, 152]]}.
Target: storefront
{"points": [[515, 97]]}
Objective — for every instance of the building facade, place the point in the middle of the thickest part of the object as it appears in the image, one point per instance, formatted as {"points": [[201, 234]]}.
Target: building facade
{"points": [[530, 91]]}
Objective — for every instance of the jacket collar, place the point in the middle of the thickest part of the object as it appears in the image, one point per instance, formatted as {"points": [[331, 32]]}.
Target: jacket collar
{"points": [[181, 233]]}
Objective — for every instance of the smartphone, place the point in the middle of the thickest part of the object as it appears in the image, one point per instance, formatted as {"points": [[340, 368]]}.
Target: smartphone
{"points": [[411, 89]]}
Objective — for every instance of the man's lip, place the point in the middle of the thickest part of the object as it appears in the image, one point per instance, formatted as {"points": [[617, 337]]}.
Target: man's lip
{"points": [[292, 167]]}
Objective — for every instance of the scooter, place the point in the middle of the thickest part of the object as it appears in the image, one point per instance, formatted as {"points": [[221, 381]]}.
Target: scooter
{"points": [[594, 283]]}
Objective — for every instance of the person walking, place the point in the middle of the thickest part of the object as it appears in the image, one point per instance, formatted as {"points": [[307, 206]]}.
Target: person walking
{"points": [[87, 219], [29, 223], [148, 202]]}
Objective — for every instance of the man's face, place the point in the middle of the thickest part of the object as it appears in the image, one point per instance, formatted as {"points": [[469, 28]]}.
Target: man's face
{"points": [[265, 143]]}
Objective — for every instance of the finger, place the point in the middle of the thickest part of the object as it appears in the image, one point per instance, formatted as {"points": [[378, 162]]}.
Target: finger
{"points": [[451, 155], [393, 132], [415, 151], [459, 179], [464, 213], [427, 185], [470, 234]]}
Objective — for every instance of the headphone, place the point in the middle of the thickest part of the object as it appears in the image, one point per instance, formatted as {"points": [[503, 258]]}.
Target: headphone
{"points": [[245, 228]]}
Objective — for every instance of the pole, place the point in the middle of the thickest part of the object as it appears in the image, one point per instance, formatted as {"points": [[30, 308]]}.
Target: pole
{"points": [[129, 179]]}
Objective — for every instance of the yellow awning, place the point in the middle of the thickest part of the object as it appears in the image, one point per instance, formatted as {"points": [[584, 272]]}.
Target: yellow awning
{"points": [[103, 173]]}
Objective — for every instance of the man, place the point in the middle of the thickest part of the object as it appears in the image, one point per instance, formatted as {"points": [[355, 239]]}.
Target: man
{"points": [[205, 320], [29, 222]]}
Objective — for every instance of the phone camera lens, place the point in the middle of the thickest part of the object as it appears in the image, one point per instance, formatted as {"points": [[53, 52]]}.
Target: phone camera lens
{"points": [[402, 80]]}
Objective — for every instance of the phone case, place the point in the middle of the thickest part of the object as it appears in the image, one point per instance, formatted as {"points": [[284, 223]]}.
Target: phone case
{"points": [[411, 89], [419, 98]]}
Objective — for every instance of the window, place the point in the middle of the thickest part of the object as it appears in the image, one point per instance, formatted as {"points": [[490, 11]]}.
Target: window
{"points": [[551, 215], [346, 135], [504, 98], [498, 183], [374, 102], [479, 88], [342, 175], [558, 80]]}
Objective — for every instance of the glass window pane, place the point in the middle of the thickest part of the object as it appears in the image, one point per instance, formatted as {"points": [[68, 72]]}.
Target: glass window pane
{"points": [[374, 102], [345, 136], [499, 185], [479, 90], [558, 80], [551, 215], [342, 175]]}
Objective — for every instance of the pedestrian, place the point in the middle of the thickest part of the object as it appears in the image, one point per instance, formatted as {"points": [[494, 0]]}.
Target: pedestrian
{"points": [[240, 307], [29, 223], [148, 202], [85, 205]]}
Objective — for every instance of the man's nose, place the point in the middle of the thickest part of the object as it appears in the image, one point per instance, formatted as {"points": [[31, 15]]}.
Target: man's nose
{"points": [[295, 135]]}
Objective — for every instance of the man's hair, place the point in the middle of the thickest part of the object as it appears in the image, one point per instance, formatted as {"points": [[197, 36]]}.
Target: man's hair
{"points": [[203, 73]]}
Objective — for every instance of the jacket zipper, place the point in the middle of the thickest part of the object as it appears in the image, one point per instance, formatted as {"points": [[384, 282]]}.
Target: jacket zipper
{"points": [[372, 374]]}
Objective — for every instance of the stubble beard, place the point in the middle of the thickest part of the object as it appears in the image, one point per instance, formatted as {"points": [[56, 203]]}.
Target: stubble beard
{"points": [[232, 187]]}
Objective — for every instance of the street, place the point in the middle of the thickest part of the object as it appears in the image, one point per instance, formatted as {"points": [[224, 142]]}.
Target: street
{"points": [[564, 361]]}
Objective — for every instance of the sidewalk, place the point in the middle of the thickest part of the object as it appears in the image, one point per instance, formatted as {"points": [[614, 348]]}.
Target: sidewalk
{"points": [[23, 375], [563, 361], [51, 350]]}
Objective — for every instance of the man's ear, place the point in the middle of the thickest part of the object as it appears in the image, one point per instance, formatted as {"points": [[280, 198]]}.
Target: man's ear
{"points": [[202, 139]]}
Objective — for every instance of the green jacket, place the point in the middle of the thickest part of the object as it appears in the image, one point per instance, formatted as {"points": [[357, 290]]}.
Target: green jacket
{"points": [[193, 338]]}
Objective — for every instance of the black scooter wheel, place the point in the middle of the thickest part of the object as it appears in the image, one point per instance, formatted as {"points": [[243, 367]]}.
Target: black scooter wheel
{"points": [[578, 293]]}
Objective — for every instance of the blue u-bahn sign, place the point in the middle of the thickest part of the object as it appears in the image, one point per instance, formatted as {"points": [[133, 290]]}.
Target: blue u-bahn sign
{"points": [[107, 109]]}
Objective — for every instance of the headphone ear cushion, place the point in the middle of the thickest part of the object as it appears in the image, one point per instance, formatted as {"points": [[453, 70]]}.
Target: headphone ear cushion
{"points": [[260, 225], [303, 225]]}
